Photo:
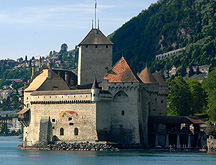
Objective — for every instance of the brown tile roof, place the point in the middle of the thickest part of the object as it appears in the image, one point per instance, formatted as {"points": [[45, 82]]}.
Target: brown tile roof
{"points": [[160, 79], [23, 111], [38, 81], [43, 83], [121, 72], [146, 77], [95, 37]]}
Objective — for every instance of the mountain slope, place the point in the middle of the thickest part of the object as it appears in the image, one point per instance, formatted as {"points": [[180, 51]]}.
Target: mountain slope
{"points": [[168, 25]]}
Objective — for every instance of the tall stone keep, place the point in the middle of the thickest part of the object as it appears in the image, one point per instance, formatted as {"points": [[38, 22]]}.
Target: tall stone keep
{"points": [[95, 57]]}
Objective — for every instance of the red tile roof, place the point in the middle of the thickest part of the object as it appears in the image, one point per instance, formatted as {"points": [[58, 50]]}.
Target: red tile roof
{"points": [[121, 72]]}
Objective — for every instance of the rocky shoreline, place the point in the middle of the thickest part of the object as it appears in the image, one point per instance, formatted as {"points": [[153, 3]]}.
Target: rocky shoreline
{"points": [[82, 146]]}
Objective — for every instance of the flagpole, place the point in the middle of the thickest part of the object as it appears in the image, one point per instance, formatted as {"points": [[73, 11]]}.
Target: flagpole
{"points": [[95, 14]]}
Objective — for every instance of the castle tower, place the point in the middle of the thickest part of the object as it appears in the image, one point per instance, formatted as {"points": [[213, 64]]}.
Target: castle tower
{"points": [[95, 57], [95, 91], [162, 94], [151, 85]]}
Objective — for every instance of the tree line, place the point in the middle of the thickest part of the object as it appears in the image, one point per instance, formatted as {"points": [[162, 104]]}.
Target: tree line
{"points": [[189, 98]]}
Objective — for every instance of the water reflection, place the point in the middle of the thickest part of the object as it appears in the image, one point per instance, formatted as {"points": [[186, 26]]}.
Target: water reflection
{"points": [[10, 154]]}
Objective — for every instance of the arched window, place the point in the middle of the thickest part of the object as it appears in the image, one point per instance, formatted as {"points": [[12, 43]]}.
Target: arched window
{"points": [[76, 131], [62, 131], [121, 97]]}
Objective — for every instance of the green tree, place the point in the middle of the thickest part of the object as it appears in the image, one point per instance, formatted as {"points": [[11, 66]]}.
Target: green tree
{"points": [[15, 98], [179, 97], [26, 58], [197, 71], [183, 71], [210, 130], [210, 87], [199, 97], [212, 112], [64, 48], [191, 72], [4, 130]]}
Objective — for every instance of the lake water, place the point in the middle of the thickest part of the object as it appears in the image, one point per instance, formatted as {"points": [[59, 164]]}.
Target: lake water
{"points": [[10, 154]]}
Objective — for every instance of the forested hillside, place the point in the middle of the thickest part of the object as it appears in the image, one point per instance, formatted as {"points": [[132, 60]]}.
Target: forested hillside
{"points": [[168, 25]]}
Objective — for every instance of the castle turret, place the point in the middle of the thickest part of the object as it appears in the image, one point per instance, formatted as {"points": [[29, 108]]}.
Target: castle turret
{"points": [[95, 91], [152, 86], [162, 94]]}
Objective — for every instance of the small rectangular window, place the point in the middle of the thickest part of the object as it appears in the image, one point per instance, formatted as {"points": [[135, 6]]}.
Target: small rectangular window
{"points": [[76, 131], [95, 46], [53, 120], [106, 46], [86, 46], [71, 123], [123, 113]]}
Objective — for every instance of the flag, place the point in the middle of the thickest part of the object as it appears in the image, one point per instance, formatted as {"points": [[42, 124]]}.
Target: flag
{"points": [[95, 4]]}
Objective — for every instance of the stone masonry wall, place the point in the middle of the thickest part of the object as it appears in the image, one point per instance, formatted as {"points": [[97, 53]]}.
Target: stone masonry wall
{"points": [[103, 119], [124, 114], [68, 116], [88, 56]]}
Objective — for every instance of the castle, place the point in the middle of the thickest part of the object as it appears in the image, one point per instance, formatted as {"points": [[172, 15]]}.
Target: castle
{"points": [[102, 103]]}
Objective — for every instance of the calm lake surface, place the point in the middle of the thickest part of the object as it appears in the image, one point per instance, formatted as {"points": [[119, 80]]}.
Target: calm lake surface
{"points": [[10, 154]]}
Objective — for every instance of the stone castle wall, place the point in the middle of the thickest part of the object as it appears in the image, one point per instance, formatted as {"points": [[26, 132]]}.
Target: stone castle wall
{"points": [[124, 113], [78, 114]]}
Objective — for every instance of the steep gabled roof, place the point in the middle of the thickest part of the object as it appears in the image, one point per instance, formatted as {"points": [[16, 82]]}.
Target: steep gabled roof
{"points": [[146, 77], [121, 72], [159, 79], [42, 82], [38, 81], [95, 37]]}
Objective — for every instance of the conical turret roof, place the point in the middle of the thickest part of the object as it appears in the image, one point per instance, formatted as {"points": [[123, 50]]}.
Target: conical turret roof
{"points": [[95, 37], [95, 84], [121, 72], [160, 79], [147, 77]]}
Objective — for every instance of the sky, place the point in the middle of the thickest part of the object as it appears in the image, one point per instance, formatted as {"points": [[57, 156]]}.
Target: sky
{"points": [[36, 27]]}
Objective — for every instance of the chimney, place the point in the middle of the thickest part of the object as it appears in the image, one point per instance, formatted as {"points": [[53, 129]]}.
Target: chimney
{"points": [[59, 73], [40, 64], [67, 78], [33, 71], [50, 65]]}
